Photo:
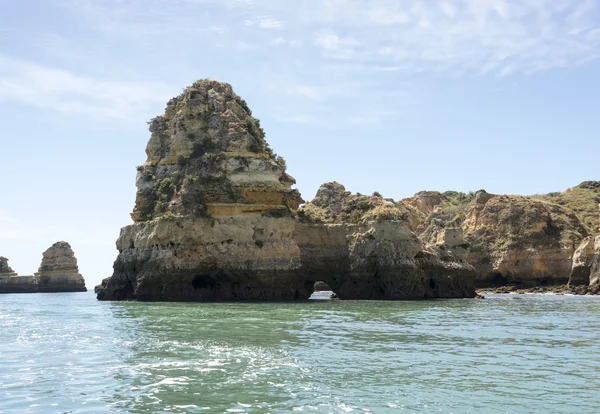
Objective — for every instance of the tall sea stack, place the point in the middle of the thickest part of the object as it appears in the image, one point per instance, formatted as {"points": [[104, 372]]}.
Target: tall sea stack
{"points": [[58, 271], [216, 219]]}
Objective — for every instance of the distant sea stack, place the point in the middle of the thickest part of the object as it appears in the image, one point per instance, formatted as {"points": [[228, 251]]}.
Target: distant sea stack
{"points": [[58, 272], [216, 219]]}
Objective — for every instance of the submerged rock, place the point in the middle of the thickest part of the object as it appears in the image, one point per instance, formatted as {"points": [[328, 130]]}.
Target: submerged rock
{"points": [[215, 219]]}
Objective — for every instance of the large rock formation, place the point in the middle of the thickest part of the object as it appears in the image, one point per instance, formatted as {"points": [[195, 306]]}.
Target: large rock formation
{"points": [[363, 248], [508, 239], [58, 272], [213, 214], [215, 220]]}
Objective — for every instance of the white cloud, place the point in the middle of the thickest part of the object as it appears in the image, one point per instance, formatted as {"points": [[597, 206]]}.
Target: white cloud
{"points": [[61, 90], [336, 46], [270, 23]]}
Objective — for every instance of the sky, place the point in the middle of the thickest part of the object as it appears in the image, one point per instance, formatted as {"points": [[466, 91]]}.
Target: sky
{"points": [[395, 96]]}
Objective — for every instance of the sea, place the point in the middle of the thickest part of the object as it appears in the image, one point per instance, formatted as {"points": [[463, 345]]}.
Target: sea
{"points": [[69, 353]]}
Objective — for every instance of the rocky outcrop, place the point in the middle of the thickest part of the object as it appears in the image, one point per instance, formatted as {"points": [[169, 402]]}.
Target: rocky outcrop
{"points": [[213, 213], [518, 240], [58, 271], [586, 264], [215, 220], [5, 269], [11, 282], [363, 248]]}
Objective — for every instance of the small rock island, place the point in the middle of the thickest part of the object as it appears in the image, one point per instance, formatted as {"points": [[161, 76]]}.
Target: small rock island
{"points": [[58, 272]]}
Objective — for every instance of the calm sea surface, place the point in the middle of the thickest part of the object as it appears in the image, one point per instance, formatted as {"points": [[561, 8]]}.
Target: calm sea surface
{"points": [[68, 353]]}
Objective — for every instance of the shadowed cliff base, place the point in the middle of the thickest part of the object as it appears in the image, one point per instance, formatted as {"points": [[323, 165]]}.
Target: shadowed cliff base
{"points": [[216, 219]]}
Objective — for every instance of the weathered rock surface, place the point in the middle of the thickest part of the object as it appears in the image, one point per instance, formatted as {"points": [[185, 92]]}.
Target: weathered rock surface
{"points": [[363, 248], [58, 272], [215, 220], [586, 264], [11, 282], [5, 269], [213, 214], [518, 240]]}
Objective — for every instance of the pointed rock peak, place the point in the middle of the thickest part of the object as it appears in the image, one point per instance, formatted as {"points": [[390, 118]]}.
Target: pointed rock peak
{"points": [[207, 156]]}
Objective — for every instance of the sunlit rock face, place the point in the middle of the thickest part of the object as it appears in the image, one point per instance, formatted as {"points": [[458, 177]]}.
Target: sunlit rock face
{"points": [[214, 209], [363, 247], [216, 219], [58, 271], [517, 240]]}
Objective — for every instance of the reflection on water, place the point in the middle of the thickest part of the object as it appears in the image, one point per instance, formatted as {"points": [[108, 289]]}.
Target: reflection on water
{"points": [[514, 353]]}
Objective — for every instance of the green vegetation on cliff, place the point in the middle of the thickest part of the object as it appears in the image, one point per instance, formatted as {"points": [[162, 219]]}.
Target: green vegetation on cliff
{"points": [[583, 200]]}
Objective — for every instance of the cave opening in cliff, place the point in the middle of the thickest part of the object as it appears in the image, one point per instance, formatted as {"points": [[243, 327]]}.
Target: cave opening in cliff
{"points": [[322, 290], [498, 279]]}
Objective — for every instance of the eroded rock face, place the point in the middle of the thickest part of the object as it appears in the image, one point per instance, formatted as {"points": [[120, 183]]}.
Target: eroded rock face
{"points": [[363, 248], [215, 220], [582, 263], [58, 271], [207, 157], [595, 265], [5, 269], [518, 240], [213, 214], [586, 264]]}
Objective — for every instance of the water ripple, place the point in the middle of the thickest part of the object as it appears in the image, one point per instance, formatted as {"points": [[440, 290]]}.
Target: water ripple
{"points": [[507, 354]]}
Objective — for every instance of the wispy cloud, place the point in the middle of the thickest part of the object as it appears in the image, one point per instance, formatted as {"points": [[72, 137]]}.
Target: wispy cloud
{"points": [[61, 90], [335, 45], [270, 23]]}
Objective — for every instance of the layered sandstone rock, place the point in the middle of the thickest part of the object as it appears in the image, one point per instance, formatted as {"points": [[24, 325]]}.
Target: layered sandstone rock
{"points": [[518, 240], [58, 271], [215, 220], [11, 282], [213, 214], [363, 248]]}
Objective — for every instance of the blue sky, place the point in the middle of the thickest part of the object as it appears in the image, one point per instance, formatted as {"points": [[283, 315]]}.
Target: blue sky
{"points": [[394, 96]]}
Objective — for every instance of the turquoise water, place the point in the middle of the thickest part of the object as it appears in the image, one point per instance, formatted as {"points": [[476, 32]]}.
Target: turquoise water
{"points": [[68, 353]]}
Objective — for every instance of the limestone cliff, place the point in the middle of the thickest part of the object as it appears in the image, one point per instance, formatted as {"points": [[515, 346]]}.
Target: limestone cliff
{"points": [[527, 241], [207, 157], [215, 219], [213, 213], [363, 247], [58, 272]]}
